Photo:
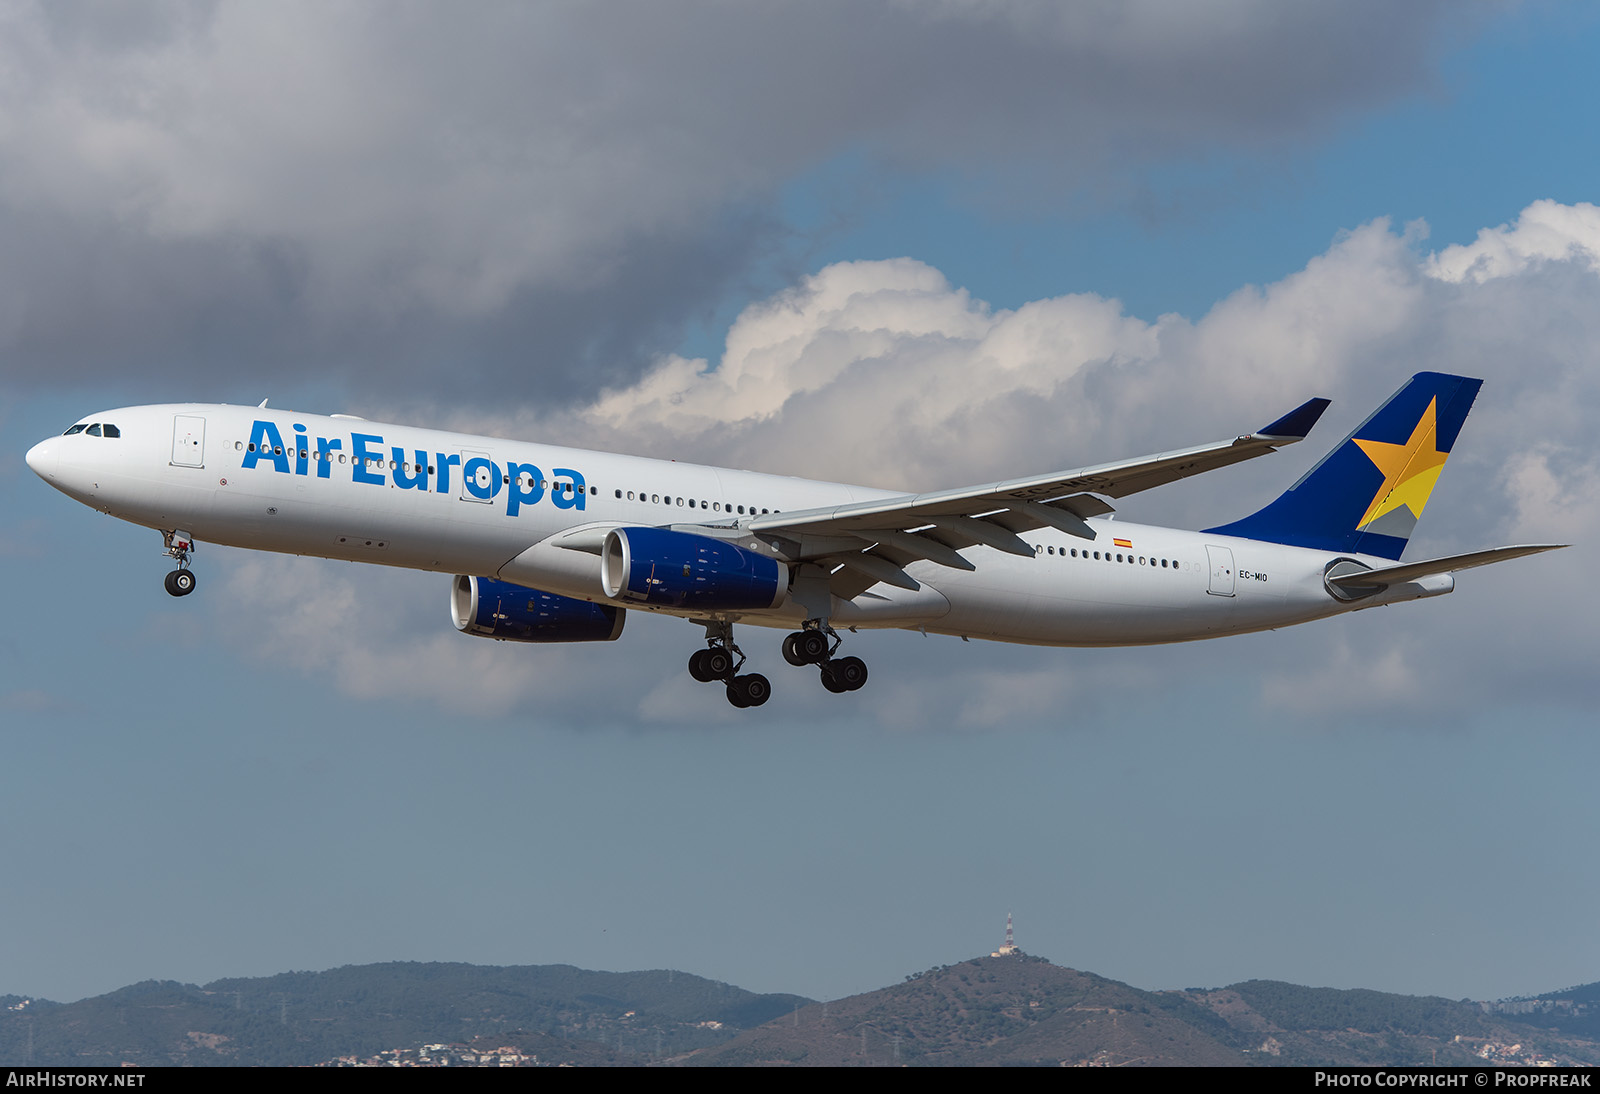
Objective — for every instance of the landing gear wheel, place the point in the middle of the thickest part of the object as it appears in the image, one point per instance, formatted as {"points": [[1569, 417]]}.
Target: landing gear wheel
{"points": [[757, 688], [749, 691], [180, 582], [805, 648], [849, 671], [844, 674], [718, 663], [722, 660]]}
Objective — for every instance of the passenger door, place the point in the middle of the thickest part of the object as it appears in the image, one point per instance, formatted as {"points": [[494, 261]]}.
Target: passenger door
{"points": [[188, 441]]}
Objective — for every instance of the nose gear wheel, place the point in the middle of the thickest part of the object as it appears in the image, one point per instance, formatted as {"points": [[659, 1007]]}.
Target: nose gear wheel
{"points": [[179, 545]]}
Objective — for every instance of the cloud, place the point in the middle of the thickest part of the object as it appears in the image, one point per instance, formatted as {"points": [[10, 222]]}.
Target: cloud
{"points": [[533, 200], [1547, 231]]}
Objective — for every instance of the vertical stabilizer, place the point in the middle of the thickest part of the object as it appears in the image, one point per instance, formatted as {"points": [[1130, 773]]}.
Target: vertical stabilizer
{"points": [[1366, 495]]}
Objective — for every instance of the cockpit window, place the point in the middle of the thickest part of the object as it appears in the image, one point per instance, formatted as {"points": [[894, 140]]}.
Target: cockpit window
{"points": [[79, 428], [94, 430], [112, 431]]}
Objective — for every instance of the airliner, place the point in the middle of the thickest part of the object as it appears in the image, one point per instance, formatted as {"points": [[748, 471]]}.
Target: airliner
{"points": [[551, 544]]}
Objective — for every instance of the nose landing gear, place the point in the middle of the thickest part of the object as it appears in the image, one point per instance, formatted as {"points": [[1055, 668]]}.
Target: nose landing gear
{"points": [[816, 645], [179, 544], [722, 661]]}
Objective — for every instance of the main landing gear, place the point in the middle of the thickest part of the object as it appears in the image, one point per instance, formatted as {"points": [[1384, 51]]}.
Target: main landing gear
{"points": [[816, 645], [722, 661], [180, 582]]}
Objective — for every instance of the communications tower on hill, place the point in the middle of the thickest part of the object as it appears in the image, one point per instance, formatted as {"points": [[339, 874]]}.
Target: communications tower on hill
{"points": [[1010, 947]]}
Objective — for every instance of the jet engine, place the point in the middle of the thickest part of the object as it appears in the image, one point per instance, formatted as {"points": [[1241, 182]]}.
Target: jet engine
{"points": [[516, 613], [682, 570]]}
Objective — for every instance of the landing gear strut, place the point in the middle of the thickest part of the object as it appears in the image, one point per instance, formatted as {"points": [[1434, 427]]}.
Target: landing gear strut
{"points": [[722, 660], [816, 645], [180, 582]]}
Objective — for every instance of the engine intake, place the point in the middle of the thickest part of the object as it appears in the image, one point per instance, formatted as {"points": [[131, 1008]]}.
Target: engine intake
{"points": [[516, 613], [683, 570]]}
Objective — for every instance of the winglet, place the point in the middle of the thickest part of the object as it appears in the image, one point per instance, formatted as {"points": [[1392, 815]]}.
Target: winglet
{"points": [[1294, 425]]}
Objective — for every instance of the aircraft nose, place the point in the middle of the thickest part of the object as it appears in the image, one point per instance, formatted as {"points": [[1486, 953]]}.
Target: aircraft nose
{"points": [[42, 458]]}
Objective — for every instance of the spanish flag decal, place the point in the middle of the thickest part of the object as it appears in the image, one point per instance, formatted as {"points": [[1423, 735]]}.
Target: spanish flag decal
{"points": [[1123, 542]]}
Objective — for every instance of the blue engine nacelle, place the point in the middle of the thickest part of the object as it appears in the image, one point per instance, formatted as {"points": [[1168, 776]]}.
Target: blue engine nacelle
{"points": [[515, 613], [682, 570]]}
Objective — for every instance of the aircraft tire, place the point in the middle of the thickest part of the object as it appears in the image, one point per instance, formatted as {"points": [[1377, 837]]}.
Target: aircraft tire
{"points": [[791, 650], [697, 667], [180, 582], [735, 696], [718, 664], [757, 688], [812, 646], [830, 682], [850, 672]]}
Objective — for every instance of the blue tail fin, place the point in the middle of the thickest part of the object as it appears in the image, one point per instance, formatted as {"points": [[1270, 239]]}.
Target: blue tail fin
{"points": [[1366, 495]]}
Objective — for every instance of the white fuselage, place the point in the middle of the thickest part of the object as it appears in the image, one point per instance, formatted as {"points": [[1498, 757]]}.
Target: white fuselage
{"points": [[345, 488]]}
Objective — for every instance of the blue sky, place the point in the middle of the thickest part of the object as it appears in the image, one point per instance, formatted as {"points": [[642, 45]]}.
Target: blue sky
{"points": [[221, 787]]}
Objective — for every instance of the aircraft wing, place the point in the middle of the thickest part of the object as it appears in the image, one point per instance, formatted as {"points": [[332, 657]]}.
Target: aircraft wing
{"points": [[1366, 580], [876, 538]]}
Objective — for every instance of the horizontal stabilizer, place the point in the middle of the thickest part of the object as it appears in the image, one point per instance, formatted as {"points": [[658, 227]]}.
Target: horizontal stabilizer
{"points": [[1411, 571]]}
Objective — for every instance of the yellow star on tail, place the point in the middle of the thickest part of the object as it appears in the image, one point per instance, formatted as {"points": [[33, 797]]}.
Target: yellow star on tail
{"points": [[1409, 469]]}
